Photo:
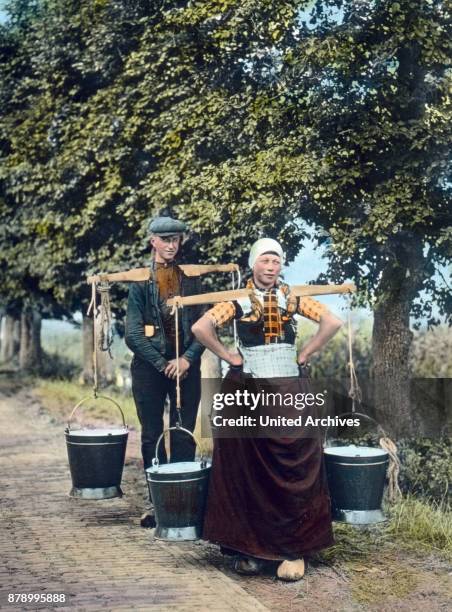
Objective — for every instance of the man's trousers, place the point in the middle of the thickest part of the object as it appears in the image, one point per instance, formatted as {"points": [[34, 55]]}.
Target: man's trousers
{"points": [[150, 389]]}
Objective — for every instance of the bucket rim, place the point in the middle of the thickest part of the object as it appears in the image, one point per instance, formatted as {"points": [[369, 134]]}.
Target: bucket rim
{"points": [[172, 469], [98, 432], [355, 452]]}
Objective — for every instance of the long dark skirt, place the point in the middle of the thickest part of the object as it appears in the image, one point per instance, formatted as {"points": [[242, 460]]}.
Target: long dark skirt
{"points": [[268, 497]]}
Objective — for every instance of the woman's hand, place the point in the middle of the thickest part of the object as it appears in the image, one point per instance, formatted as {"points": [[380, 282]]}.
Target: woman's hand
{"points": [[302, 358], [235, 359]]}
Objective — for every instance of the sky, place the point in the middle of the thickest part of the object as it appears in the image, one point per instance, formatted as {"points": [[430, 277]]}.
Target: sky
{"points": [[2, 12], [306, 267]]}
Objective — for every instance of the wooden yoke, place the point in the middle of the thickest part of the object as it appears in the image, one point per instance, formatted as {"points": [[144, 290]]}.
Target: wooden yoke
{"points": [[304, 290], [229, 296], [135, 275], [144, 274], [200, 269]]}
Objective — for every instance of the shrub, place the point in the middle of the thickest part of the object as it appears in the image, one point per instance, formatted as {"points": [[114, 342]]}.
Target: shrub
{"points": [[332, 360], [58, 367], [426, 468], [431, 353]]}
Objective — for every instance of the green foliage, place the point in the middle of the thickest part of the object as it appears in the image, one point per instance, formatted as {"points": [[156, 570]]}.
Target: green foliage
{"points": [[58, 367], [64, 342], [430, 357], [231, 114], [331, 362], [60, 396], [59, 194], [431, 353], [244, 118], [63, 353], [426, 469]]}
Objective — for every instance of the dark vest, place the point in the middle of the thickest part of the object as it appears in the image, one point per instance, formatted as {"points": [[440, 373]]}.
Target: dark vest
{"points": [[251, 333]]}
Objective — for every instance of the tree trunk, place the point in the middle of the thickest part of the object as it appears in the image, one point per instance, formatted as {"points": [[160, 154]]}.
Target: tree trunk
{"points": [[10, 338], [391, 340], [30, 354], [16, 338]]}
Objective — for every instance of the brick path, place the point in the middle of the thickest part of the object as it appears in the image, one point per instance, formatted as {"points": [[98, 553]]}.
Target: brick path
{"points": [[94, 552]]}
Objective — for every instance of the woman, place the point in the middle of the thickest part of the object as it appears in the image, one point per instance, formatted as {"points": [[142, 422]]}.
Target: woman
{"points": [[268, 498]]}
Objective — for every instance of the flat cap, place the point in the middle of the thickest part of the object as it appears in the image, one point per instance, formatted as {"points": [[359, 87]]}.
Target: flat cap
{"points": [[166, 226]]}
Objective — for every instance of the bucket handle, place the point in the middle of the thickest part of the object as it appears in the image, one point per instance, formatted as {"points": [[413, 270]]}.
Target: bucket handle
{"points": [[105, 397], [155, 461], [359, 414]]}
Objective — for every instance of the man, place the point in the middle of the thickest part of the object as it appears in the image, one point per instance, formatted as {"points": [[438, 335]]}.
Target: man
{"points": [[268, 498], [151, 336]]}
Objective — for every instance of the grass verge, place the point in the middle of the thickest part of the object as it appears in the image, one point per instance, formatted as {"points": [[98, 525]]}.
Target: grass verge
{"points": [[387, 561], [59, 397], [425, 524], [420, 526]]}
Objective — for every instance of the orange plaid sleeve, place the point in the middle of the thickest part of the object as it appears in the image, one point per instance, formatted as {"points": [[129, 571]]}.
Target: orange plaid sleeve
{"points": [[311, 309], [221, 313]]}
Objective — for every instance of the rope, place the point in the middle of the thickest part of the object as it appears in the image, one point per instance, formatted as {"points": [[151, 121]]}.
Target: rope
{"points": [[102, 339], [234, 322], [354, 391], [394, 491], [105, 340], [385, 442], [175, 312], [92, 306]]}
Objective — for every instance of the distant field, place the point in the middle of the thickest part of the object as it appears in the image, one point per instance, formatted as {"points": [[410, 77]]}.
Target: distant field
{"points": [[431, 351], [61, 338], [65, 340]]}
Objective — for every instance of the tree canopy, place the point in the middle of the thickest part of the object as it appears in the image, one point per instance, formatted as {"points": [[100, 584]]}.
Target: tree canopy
{"points": [[245, 118], [249, 115]]}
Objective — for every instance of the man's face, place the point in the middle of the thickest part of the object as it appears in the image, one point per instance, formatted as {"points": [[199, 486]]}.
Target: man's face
{"points": [[166, 247], [266, 270]]}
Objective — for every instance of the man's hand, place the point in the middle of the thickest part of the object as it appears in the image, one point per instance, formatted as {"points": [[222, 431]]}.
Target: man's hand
{"points": [[171, 369]]}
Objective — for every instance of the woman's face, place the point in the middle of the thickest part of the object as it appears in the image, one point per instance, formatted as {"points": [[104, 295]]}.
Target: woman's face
{"points": [[266, 270]]}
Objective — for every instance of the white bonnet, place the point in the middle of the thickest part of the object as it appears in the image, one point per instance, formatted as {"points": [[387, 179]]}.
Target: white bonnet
{"points": [[264, 245]]}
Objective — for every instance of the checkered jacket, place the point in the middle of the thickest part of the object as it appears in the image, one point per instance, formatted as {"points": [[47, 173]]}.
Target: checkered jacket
{"points": [[267, 316]]}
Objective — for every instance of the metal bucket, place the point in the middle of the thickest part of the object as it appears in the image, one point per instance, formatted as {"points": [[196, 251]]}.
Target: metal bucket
{"points": [[96, 458], [356, 480], [179, 493]]}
